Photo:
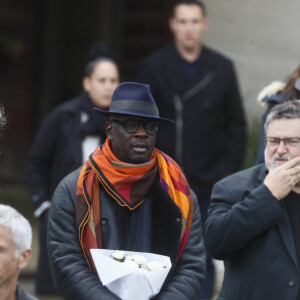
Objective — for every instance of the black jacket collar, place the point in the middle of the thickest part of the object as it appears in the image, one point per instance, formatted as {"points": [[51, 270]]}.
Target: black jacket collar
{"points": [[172, 63]]}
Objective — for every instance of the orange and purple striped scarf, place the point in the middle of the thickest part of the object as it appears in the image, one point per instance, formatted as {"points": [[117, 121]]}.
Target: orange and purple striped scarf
{"points": [[123, 181]]}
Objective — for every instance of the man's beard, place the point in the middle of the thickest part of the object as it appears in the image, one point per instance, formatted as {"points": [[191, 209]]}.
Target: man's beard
{"points": [[271, 165]]}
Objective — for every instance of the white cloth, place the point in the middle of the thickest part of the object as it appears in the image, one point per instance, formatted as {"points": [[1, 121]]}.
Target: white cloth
{"points": [[90, 143]]}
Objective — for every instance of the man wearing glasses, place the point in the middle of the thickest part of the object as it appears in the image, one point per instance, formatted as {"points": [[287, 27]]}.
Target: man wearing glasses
{"points": [[254, 217], [127, 196]]}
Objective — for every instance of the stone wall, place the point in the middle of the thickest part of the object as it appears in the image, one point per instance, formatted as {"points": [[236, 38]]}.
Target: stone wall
{"points": [[261, 37]]}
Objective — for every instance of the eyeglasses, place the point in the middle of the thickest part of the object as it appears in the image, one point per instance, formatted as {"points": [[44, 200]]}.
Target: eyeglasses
{"points": [[132, 126], [273, 141]]}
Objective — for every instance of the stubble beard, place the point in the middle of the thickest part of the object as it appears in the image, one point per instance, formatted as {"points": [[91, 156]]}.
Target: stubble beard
{"points": [[271, 165]]}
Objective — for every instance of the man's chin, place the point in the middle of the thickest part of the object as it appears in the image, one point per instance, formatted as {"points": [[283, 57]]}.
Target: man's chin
{"points": [[275, 164], [189, 45]]}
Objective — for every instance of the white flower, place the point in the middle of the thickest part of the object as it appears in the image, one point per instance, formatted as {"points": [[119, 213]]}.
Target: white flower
{"points": [[129, 257], [139, 259], [137, 262], [131, 263], [118, 255], [154, 266]]}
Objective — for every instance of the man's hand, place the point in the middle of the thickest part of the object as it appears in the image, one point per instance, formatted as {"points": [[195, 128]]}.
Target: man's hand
{"points": [[284, 178]]}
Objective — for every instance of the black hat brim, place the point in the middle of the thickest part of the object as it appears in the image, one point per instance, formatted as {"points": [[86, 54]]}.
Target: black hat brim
{"points": [[131, 113]]}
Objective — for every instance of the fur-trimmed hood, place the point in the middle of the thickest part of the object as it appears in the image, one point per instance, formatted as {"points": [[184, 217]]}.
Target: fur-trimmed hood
{"points": [[270, 92]]}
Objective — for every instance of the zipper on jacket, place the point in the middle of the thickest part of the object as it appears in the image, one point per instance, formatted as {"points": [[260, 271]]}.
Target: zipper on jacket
{"points": [[179, 102], [179, 128]]}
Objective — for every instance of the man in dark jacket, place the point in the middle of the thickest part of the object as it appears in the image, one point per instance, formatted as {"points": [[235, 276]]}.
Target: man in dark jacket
{"points": [[64, 141], [276, 93], [197, 87], [128, 196], [254, 217]]}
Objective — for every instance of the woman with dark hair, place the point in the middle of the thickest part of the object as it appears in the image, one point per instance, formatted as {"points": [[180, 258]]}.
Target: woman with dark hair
{"points": [[64, 141], [276, 93]]}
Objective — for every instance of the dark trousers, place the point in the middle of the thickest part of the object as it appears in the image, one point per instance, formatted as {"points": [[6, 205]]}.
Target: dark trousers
{"points": [[44, 283]]}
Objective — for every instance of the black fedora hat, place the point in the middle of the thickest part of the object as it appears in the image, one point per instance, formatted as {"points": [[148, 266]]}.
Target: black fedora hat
{"points": [[135, 99]]}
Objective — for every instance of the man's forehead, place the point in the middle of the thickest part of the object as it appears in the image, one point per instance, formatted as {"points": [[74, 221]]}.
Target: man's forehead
{"points": [[284, 120], [7, 243], [4, 228], [181, 9], [284, 125], [5, 232]]}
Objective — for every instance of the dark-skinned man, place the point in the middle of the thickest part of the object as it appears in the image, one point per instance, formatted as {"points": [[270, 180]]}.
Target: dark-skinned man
{"points": [[127, 196]]}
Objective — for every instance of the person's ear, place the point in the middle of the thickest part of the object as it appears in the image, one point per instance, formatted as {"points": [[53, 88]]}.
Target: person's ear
{"points": [[86, 83], [108, 130], [24, 258]]}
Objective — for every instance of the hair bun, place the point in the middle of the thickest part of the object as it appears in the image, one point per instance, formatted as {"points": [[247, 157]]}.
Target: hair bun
{"points": [[98, 50]]}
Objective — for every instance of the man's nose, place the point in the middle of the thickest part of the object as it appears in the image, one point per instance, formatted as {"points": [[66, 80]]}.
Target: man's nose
{"points": [[282, 148], [109, 84], [189, 25], [141, 131]]}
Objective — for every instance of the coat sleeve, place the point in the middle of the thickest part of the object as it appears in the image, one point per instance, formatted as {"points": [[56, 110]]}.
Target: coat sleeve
{"points": [[187, 279], [234, 221], [234, 122], [40, 158], [71, 274]]}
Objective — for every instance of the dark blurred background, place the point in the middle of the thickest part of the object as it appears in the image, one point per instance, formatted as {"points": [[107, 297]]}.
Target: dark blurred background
{"points": [[43, 50], [44, 46]]}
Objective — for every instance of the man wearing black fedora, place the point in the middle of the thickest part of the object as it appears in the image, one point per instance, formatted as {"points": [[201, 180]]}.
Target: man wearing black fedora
{"points": [[128, 196]]}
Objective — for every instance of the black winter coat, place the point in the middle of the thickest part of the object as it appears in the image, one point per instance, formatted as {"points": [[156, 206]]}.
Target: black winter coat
{"points": [[71, 273], [57, 149], [250, 230], [208, 139], [22, 295]]}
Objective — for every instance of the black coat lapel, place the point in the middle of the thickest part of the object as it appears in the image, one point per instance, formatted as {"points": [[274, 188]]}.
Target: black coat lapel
{"points": [[172, 70], [284, 225], [172, 63], [204, 68], [72, 134], [166, 223], [285, 230]]}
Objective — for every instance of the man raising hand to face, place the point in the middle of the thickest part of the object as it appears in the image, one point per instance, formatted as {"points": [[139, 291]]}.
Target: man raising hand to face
{"points": [[282, 155], [254, 217]]}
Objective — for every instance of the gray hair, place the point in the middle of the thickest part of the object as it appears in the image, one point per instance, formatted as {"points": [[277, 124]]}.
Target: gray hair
{"points": [[19, 226], [286, 110]]}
